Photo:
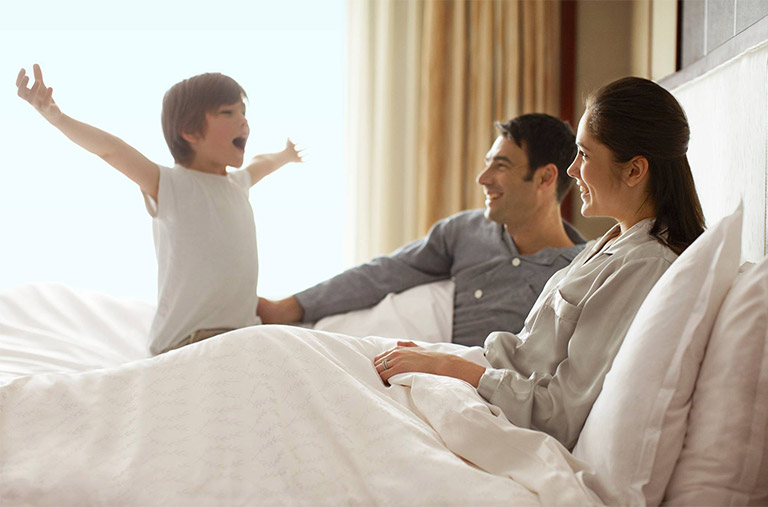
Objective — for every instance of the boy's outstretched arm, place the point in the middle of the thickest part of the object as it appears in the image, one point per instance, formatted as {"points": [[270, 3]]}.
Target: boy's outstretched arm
{"points": [[267, 163], [111, 149]]}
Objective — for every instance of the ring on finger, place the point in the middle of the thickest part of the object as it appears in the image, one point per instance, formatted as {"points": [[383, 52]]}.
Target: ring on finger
{"points": [[386, 365]]}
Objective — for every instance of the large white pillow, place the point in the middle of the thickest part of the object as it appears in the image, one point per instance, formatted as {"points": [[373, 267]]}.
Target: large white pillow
{"points": [[724, 460], [424, 312], [634, 433]]}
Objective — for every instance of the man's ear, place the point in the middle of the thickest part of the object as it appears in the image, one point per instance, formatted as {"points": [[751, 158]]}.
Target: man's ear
{"points": [[546, 176], [636, 170]]}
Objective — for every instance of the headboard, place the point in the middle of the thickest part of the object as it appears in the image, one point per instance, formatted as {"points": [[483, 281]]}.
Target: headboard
{"points": [[727, 110]]}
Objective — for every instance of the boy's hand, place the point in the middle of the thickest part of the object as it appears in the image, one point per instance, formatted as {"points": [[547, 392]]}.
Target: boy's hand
{"points": [[291, 153], [267, 163], [111, 149], [38, 95]]}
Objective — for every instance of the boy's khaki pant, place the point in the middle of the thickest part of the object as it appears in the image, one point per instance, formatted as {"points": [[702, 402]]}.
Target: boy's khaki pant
{"points": [[197, 336]]}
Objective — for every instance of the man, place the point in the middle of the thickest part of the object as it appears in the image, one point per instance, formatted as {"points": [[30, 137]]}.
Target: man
{"points": [[499, 259]]}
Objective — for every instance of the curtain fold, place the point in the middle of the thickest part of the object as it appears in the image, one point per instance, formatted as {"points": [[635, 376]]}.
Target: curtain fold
{"points": [[426, 80], [382, 93]]}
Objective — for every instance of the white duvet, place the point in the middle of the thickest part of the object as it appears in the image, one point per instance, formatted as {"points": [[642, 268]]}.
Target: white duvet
{"points": [[262, 415]]}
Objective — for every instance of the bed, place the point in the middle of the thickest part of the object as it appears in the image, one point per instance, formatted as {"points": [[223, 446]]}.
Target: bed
{"points": [[298, 416], [89, 417]]}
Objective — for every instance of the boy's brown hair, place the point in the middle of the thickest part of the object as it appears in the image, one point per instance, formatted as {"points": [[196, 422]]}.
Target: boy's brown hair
{"points": [[185, 106]]}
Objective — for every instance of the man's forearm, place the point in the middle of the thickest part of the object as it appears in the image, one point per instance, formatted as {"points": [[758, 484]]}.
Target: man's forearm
{"points": [[361, 287], [425, 260]]}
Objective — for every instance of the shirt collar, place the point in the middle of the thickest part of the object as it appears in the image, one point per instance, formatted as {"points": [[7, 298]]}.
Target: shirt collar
{"points": [[633, 236], [548, 256]]}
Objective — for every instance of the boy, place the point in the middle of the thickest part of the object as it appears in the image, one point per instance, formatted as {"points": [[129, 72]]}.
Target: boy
{"points": [[205, 238]]}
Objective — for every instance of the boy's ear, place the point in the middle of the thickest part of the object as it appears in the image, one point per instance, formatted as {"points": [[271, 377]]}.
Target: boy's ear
{"points": [[188, 137]]}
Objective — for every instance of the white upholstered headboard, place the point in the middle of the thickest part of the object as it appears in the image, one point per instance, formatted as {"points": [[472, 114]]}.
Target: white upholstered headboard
{"points": [[728, 112]]}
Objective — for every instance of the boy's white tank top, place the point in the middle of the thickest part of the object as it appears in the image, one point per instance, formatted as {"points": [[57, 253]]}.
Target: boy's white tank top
{"points": [[205, 241]]}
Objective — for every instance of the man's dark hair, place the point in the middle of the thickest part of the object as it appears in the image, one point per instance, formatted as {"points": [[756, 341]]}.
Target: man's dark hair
{"points": [[546, 140]]}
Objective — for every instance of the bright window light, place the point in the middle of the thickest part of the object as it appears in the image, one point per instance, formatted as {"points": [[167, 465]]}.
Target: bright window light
{"points": [[69, 217]]}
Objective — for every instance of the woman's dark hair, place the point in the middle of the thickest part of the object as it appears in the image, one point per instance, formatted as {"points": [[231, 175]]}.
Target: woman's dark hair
{"points": [[635, 116]]}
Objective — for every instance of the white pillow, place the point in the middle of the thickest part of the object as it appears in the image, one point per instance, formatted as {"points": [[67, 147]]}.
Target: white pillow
{"points": [[424, 312], [634, 433], [727, 438]]}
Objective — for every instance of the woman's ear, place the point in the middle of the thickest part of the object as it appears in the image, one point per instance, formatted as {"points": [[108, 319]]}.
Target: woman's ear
{"points": [[636, 170]]}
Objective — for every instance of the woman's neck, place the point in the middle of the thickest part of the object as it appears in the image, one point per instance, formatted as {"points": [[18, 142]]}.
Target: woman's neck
{"points": [[645, 211]]}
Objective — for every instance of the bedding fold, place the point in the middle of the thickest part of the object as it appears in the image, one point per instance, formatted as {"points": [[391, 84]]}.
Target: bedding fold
{"points": [[269, 415]]}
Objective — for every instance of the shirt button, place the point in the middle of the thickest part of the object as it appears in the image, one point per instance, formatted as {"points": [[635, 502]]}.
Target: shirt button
{"points": [[478, 294], [515, 262]]}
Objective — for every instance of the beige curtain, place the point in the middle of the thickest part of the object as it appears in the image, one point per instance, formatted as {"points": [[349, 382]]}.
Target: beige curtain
{"points": [[426, 80], [382, 96]]}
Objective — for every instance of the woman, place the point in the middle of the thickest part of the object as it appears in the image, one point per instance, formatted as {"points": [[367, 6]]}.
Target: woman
{"points": [[631, 165]]}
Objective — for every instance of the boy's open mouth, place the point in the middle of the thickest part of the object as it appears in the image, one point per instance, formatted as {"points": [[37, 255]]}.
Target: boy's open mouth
{"points": [[240, 142]]}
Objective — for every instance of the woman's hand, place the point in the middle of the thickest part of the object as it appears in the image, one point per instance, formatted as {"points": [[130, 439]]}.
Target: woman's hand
{"points": [[409, 357]]}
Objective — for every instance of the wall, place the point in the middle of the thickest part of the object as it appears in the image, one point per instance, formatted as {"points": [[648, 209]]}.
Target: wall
{"points": [[723, 88], [723, 85], [602, 49], [613, 40], [639, 37], [728, 112]]}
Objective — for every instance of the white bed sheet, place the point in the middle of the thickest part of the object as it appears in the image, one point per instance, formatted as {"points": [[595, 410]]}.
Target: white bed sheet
{"points": [[262, 415], [48, 327]]}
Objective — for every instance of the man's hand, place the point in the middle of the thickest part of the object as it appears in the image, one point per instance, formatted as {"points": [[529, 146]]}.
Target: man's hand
{"points": [[285, 311], [38, 95]]}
